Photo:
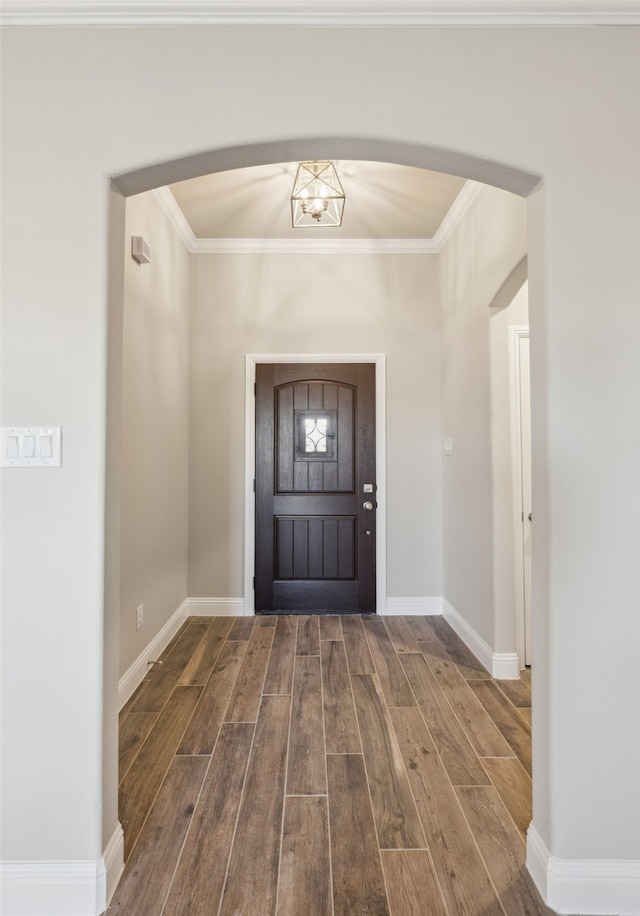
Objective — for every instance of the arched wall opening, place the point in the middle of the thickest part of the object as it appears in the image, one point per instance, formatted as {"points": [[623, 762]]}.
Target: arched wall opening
{"points": [[289, 150], [158, 175]]}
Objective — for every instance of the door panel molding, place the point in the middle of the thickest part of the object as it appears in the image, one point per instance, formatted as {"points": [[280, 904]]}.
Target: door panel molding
{"points": [[251, 361]]}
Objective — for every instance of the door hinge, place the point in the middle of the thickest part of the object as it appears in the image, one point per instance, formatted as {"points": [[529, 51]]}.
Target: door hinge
{"points": [[254, 583], [255, 389], [254, 485]]}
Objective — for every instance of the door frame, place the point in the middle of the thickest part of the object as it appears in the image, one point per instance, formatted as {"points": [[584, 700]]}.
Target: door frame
{"points": [[251, 360], [516, 333]]}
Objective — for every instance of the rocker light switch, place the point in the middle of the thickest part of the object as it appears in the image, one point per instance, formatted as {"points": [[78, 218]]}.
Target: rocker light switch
{"points": [[45, 447], [31, 447]]}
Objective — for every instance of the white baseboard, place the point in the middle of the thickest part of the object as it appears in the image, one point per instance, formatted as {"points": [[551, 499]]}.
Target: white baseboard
{"points": [[113, 863], [504, 666], [134, 676], [425, 607], [537, 859], [216, 607], [606, 887], [468, 635], [190, 607], [235, 607], [62, 888]]}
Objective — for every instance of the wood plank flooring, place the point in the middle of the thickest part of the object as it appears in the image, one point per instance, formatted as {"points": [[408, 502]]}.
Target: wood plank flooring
{"points": [[325, 766]]}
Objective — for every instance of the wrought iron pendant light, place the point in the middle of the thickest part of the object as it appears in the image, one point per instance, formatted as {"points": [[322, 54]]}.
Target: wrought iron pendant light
{"points": [[317, 198]]}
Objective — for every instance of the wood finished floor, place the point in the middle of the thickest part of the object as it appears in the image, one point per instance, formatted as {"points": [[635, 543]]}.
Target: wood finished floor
{"points": [[325, 766]]}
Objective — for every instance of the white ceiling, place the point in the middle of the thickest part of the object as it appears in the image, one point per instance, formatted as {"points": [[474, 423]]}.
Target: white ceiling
{"points": [[383, 201]]}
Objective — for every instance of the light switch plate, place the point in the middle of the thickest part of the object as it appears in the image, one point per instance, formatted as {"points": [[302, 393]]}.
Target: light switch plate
{"points": [[31, 447], [447, 446]]}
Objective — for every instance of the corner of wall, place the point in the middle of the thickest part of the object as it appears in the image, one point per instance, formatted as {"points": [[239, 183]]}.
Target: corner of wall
{"points": [[62, 888], [591, 887]]}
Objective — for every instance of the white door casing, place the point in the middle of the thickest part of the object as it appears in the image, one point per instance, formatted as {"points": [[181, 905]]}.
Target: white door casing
{"points": [[521, 451], [251, 360]]}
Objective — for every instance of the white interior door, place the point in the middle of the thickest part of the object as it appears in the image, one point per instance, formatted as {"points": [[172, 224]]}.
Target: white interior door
{"points": [[525, 464]]}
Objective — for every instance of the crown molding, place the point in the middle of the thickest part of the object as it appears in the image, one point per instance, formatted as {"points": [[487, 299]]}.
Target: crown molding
{"points": [[170, 206], [313, 246], [461, 204], [320, 12], [468, 193]]}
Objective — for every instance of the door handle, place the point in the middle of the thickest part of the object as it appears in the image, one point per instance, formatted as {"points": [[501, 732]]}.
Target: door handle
{"points": [[368, 505], [530, 519]]}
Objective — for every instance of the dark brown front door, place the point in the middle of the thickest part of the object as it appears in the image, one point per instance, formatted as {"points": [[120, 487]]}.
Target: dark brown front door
{"points": [[315, 488]]}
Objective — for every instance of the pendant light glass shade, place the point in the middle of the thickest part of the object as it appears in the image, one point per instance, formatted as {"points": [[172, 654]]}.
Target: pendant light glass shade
{"points": [[317, 198]]}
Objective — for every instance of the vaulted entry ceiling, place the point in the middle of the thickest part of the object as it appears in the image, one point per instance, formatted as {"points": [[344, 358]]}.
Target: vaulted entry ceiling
{"points": [[384, 201]]}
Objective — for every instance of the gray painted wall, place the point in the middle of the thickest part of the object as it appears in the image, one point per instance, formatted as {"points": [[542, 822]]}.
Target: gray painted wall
{"points": [[155, 428], [475, 263], [324, 304], [506, 105]]}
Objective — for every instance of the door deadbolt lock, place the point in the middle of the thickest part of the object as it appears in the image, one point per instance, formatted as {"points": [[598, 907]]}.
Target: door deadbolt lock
{"points": [[368, 505]]}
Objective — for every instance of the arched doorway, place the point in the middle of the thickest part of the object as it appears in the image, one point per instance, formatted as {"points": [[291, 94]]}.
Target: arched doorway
{"points": [[148, 178]]}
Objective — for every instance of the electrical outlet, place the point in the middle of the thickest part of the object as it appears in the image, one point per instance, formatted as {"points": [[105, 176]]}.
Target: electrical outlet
{"points": [[139, 616]]}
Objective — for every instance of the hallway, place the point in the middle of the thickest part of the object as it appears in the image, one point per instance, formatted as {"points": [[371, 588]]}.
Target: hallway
{"points": [[325, 765]]}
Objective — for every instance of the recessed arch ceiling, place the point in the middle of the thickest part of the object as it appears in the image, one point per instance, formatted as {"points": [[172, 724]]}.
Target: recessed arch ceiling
{"points": [[383, 201]]}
